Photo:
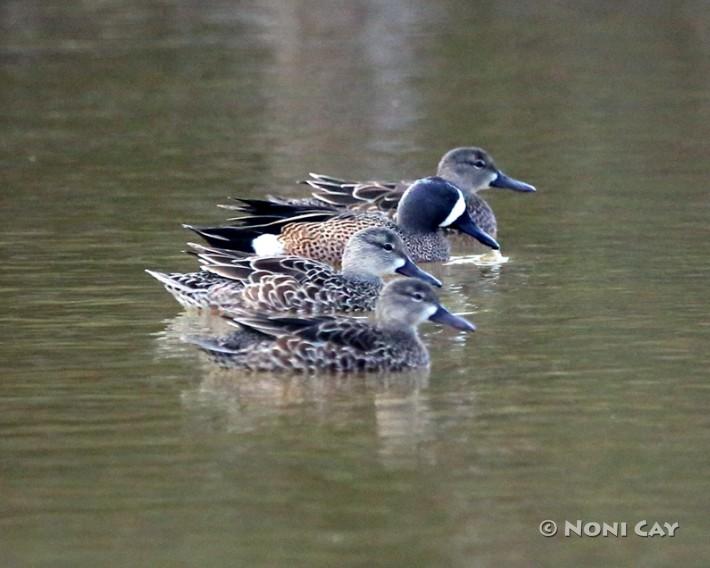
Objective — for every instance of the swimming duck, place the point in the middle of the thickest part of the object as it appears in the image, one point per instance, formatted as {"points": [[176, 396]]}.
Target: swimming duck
{"points": [[337, 344], [471, 169], [229, 279], [427, 206]]}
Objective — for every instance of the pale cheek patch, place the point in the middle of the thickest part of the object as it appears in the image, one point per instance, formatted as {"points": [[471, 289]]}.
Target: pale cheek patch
{"points": [[399, 263], [456, 211], [267, 245], [426, 314]]}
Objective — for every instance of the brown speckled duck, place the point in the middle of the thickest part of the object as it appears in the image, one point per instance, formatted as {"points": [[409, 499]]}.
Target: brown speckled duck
{"points": [[337, 344], [471, 169], [230, 280], [426, 207]]}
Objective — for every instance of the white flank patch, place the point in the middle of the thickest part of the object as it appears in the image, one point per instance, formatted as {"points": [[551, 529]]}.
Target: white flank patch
{"points": [[456, 211], [267, 245]]}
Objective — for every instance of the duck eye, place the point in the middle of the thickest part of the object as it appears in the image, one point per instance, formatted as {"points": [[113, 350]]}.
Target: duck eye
{"points": [[389, 247], [418, 296], [480, 164]]}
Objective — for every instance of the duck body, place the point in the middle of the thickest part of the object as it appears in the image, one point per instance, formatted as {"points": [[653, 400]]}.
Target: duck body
{"points": [[192, 289], [326, 241], [324, 344], [427, 207], [229, 280], [336, 344], [309, 288], [471, 169], [479, 209]]}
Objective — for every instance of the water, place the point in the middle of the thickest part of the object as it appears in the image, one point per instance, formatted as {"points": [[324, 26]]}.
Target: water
{"points": [[583, 395]]}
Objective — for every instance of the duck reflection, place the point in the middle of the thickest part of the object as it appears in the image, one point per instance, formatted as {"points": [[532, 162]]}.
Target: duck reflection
{"points": [[394, 408]]}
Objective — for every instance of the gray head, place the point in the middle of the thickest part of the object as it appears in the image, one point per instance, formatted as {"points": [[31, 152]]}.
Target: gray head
{"points": [[473, 169], [375, 252], [405, 303]]}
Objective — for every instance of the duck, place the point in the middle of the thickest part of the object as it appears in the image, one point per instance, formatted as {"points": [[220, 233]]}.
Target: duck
{"points": [[471, 169], [336, 344], [230, 279], [426, 207]]}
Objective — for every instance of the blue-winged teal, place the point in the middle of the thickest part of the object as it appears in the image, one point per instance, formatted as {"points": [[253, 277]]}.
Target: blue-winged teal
{"points": [[230, 280], [428, 205], [337, 344], [471, 169]]}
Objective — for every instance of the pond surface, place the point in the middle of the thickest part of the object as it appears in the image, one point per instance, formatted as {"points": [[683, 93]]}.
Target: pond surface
{"points": [[583, 395]]}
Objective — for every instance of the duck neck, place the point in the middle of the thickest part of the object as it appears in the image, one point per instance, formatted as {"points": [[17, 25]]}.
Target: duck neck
{"points": [[459, 181], [416, 221], [482, 213], [395, 321], [428, 247], [355, 267], [395, 329], [356, 274]]}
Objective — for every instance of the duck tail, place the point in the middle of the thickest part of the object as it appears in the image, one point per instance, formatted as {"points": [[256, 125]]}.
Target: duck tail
{"points": [[276, 209], [211, 255], [188, 289], [232, 238]]}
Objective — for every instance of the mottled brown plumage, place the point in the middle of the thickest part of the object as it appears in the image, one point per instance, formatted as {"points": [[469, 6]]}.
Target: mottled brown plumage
{"points": [[471, 169], [326, 241], [427, 207], [229, 280], [336, 344]]}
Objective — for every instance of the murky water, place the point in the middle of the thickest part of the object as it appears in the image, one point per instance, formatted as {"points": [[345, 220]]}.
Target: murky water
{"points": [[583, 395]]}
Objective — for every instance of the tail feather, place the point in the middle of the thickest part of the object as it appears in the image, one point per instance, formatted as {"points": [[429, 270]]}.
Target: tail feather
{"points": [[255, 220], [236, 272], [211, 255], [274, 224], [190, 290], [168, 280], [230, 238], [262, 218], [337, 199], [330, 187], [280, 209], [209, 344]]}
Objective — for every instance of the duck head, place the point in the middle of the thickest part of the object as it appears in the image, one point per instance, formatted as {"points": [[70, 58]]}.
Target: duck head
{"points": [[377, 251], [406, 303], [432, 203], [473, 169]]}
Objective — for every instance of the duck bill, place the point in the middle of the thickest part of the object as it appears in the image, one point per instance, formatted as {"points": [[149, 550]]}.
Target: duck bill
{"points": [[413, 271], [466, 225], [504, 182], [445, 317]]}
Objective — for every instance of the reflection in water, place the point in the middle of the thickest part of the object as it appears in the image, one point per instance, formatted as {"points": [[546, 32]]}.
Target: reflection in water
{"points": [[367, 53], [493, 258], [405, 428], [252, 401], [397, 404]]}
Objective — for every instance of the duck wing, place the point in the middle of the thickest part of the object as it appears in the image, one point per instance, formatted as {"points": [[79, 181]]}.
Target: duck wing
{"points": [[255, 268], [362, 195]]}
